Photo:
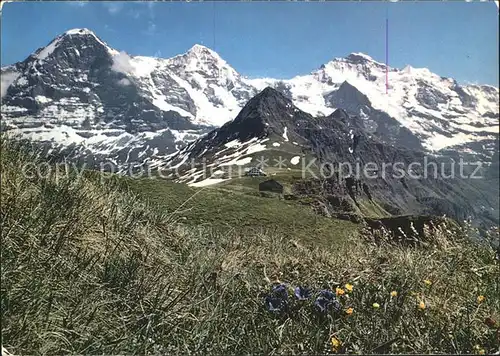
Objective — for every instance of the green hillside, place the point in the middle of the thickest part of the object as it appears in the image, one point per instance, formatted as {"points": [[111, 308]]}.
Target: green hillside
{"points": [[98, 264]]}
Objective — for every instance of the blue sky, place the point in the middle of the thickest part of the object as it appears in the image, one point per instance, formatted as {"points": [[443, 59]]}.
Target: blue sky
{"points": [[275, 39]]}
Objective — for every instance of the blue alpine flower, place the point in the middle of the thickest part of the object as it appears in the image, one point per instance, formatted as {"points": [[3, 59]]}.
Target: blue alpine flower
{"points": [[274, 304], [327, 301], [280, 291], [277, 301], [302, 293]]}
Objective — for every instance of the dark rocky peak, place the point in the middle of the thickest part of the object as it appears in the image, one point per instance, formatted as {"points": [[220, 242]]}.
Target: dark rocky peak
{"points": [[270, 94], [347, 89], [269, 113], [76, 47], [347, 97], [268, 101]]}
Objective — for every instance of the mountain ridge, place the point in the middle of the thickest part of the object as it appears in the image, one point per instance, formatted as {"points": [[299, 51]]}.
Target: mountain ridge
{"points": [[185, 96]]}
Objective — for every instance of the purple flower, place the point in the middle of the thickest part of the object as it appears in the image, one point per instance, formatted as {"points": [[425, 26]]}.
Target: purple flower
{"points": [[327, 301], [277, 301], [302, 293], [275, 304], [280, 291], [327, 294]]}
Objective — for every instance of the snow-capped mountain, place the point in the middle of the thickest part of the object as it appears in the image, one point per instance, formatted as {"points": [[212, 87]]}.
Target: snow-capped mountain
{"points": [[438, 111], [78, 92], [74, 92]]}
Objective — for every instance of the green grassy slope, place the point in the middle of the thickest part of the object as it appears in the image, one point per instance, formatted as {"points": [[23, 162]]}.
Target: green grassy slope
{"points": [[229, 209], [89, 267]]}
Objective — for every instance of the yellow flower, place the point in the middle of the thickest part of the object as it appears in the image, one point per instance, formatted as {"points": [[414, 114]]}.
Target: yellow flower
{"points": [[376, 305], [394, 293], [480, 351], [335, 343], [349, 287], [481, 298], [339, 291], [426, 281], [349, 311], [421, 305]]}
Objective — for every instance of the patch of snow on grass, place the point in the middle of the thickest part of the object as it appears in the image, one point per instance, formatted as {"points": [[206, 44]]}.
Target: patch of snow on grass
{"points": [[295, 160], [238, 162], [256, 147], [207, 182], [285, 135]]}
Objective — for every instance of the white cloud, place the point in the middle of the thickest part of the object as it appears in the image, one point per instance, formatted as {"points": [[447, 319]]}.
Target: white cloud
{"points": [[124, 82], [122, 63], [6, 80]]}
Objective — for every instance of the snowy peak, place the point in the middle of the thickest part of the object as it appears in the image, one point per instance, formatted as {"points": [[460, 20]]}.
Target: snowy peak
{"points": [[355, 59], [358, 57], [73, 42], [80, 31], [203, 53], [77, 39], [202, 59]]}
